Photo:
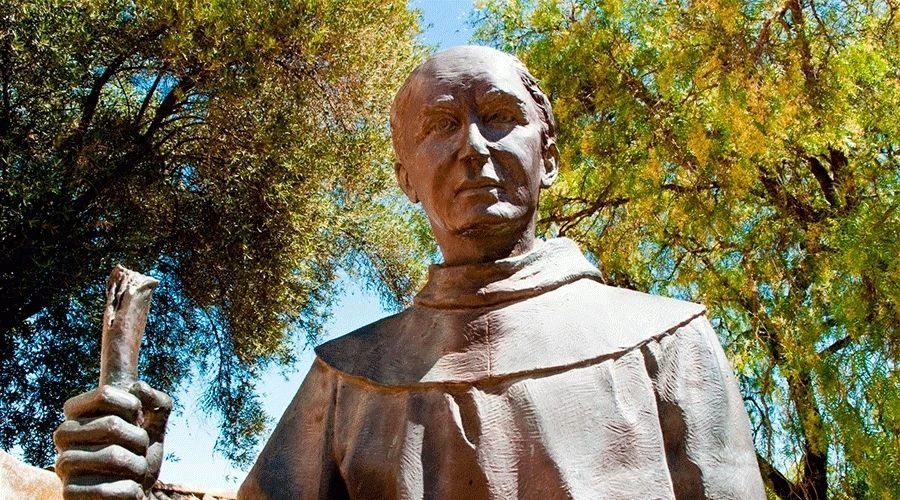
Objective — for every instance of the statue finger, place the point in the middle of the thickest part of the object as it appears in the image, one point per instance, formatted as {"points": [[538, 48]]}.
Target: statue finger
{"points": [[94, 487], [150, 397], [111, 460], [157, 406], [104, 400], [155, 459], [98, 432]]}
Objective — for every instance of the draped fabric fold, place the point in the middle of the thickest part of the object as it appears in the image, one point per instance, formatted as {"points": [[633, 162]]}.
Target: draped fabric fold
{"points": [[524, 378], [550, 265]]}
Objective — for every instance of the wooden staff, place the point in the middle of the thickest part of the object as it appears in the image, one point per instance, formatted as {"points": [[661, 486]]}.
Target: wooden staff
{"points": [[128, 297]]}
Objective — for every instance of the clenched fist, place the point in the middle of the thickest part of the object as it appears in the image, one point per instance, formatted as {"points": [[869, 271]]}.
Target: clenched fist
{"points": [[111, 443]]}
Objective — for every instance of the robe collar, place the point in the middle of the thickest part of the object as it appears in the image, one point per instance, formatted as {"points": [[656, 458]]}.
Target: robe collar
{"points": [[550, 265]]}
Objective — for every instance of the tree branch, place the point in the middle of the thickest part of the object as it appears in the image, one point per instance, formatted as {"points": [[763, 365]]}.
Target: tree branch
{"points": [[814, 481], [838, 161], [567, 221], [6, 118], [836, 346], [140, 148], [831, 45], [93, 98], [678, 188], [786, 201], [765, 33], [781, 486], [825, 181], [806, 63], [167, 106], [147, 98]]}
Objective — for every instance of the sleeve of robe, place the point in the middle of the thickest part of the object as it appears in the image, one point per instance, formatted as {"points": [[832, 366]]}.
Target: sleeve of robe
{"points": [[297, 461], [706, 431]]}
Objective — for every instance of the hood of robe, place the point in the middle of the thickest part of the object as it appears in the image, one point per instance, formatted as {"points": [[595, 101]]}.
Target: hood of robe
{"points": [[548, 266], [542, 312]]}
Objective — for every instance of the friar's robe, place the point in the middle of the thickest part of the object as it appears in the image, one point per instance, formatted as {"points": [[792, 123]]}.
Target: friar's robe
{"points": [[522, 378]]}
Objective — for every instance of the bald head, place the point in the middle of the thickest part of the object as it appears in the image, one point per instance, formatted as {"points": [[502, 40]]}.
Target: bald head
{"points": [[466, 60]]}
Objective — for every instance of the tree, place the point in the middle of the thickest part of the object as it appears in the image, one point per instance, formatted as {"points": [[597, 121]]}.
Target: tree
{"points": [[745, 154], [237, 150]]}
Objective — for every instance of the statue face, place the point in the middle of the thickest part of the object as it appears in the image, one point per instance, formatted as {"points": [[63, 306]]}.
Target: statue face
{"points": [[471, 146]]}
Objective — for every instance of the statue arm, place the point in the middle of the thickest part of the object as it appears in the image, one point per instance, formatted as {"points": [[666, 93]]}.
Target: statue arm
{"points": [[705, 427], [298, 460]]}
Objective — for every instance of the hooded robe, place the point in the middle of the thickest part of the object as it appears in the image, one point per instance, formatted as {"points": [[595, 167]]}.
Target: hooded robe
{"points": [[521, 378]]}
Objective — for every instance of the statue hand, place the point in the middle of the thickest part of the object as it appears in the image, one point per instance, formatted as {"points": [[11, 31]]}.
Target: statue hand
{"points": [[111, 443]]}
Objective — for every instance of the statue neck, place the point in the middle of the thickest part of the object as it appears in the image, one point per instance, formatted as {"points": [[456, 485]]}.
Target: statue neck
{"points": [[487, 244]]}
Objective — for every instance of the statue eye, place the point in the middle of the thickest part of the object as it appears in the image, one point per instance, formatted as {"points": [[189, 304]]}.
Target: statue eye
{"points": [[442, 124], [501, 117]]}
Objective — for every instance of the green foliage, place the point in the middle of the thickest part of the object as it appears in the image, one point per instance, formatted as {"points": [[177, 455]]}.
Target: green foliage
{"points": [[235, 149], [745, 154]]}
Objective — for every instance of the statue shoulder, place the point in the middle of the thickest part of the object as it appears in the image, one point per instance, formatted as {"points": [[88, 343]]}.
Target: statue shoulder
{"points": [[581, 322], [351, 353], [644, 314]]}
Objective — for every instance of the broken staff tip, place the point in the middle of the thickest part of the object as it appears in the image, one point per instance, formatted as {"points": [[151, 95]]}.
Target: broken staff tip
{"points": [[128, 295]]}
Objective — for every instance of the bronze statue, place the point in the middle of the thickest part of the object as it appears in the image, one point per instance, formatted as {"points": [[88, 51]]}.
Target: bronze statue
{"points": [[516, 373]]}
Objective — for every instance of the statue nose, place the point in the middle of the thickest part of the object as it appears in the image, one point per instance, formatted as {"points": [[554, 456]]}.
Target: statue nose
{"points": [[474, 150]]}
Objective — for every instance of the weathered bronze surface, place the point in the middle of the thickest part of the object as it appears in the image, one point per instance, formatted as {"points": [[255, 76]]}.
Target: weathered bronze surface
{"points": [[111, 443], [516, 373]]}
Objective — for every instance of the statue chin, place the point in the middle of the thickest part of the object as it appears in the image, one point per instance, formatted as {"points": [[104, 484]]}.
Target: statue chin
{"points": [[491, 227], [495, 220]]}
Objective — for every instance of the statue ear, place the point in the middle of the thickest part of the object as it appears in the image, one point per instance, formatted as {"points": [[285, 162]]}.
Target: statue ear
{"points": [[550, 164], [403, 180]]}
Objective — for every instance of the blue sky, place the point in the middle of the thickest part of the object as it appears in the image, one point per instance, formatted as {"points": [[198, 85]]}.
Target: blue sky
{"points": [[191, 436]]}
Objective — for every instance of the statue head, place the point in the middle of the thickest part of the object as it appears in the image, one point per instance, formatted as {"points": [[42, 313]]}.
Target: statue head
{"points": [[475, 143]]}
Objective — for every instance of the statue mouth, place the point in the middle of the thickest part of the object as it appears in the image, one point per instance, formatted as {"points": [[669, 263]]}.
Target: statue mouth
{"points": [[478, 186]]}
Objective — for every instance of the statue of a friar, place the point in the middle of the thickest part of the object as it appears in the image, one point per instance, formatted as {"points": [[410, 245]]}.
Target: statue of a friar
{"points": [[516, 373]]}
